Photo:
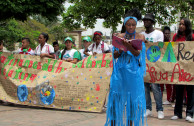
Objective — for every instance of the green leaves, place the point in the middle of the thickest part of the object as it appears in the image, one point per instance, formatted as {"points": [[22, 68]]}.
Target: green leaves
{"points": [[86, 12], [21, 9]]}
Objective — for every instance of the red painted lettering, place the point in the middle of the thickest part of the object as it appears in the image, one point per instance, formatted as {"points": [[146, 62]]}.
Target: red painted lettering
{"points": [[10, 62], [33, 77], [10, 73], [21, 62], [179, 72], [59, 67], [39, 66], [93, 63], [3, 58], [111, 64], [30, 64], [25, 76], [50, 67], [103, 61], [16, 60]]}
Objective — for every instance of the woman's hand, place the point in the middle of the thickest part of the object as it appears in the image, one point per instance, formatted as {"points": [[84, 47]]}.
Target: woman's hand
{"points": [[69, 60], [146, 41], [127, 44], [94, 53], [43, 55]]}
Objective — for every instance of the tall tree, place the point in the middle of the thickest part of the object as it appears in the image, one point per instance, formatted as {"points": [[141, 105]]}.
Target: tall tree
{"points": [[13, 31], [21, 9], [86, 12], [10, 33]]}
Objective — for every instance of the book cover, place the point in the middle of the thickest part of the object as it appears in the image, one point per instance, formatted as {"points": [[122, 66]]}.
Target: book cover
{"points": [[118, 43]]}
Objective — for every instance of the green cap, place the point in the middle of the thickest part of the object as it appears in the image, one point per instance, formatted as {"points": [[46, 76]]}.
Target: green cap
{"points": [[69, 38], [88, 39]]}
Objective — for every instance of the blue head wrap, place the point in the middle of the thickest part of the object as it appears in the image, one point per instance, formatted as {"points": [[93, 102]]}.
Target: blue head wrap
{"points": [[130, 17]]}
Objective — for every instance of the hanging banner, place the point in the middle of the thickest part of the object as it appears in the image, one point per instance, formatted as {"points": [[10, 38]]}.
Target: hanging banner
{"points": [[30, 80], [170, 63]]}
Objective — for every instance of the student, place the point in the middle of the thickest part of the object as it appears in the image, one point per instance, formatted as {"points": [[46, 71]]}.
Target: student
{"points": [[170, 88], [25, 49], [153, 35], [44, 49], [86, 43], [126, 103], [184, 34], [1, 46], [69, 54], [98, 46], [56, 49]]}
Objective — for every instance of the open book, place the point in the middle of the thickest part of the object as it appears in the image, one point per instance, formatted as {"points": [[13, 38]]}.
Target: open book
{"points": [[118, 43]]}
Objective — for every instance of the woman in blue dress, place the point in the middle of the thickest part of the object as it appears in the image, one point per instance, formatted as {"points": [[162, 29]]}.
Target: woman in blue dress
{"points": [[126, 103]]}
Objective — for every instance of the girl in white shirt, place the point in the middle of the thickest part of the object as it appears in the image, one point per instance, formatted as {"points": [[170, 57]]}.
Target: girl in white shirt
{"points": [[44, 49], [98, 46], [69, 54], [86, 42]]}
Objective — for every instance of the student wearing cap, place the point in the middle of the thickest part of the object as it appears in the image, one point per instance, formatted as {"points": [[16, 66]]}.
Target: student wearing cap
{"points": [[25, 47], [44, 49], [86, 42], [56, 49], [153, 35], [98, 46], [68, 53]]}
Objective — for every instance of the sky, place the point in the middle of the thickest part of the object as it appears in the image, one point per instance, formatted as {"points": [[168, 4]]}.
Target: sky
{"points": [[107, 31]]}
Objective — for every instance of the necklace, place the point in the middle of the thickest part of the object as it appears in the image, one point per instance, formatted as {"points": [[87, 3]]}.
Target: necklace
{"points": [[129, 35]]}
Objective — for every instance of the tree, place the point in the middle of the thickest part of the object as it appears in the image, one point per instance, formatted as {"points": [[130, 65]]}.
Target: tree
{"points": [[86, 12], [10, 33], [21, 9], [13, 31]]}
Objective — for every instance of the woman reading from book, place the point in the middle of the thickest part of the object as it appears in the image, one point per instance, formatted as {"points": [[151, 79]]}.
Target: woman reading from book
{"points": [[126, 104]]}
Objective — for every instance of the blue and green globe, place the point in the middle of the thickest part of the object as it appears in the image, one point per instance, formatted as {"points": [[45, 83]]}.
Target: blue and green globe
{"points": [[22, 93], [47, 95], [153, 53]]}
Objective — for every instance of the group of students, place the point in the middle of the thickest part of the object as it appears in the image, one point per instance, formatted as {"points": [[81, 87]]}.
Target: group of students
{"points": [[129, 99], [68, 54], [72, 55]]}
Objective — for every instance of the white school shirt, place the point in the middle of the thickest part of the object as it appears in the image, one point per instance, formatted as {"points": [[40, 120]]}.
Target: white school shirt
{"points": [[110, 47], [47, 48], [84, 55], [155, 36], [68, 54], [29, 52], [98, 49]]}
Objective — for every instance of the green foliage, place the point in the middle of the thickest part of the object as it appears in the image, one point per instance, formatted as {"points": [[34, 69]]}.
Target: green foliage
{"points": [[86, 12], [32, 30], [21, 9], [61, 46], [58, 32], [10, 32], [13, 31]]}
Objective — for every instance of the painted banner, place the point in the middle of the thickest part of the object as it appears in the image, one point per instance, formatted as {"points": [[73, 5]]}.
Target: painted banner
{"points": [[30, 80], [34, 81], [170, 63]]}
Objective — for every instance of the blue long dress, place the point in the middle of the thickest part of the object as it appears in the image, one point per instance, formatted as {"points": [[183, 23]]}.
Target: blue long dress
{"points": [[126, 100]]}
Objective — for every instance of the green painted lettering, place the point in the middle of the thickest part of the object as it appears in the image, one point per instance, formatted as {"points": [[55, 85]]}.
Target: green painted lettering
{"points": [[89, 62]]}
